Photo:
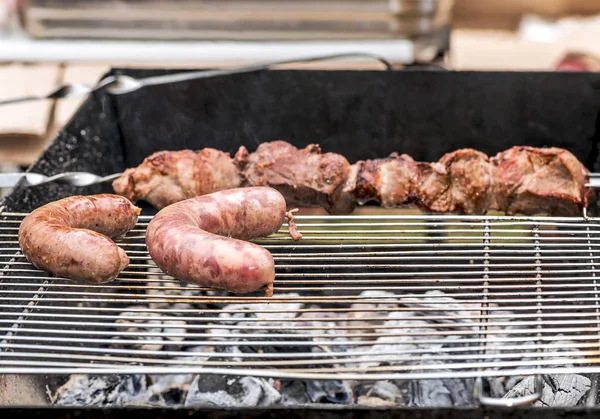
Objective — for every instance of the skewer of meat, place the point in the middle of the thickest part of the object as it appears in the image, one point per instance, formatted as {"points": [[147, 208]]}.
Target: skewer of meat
{"points": [[522, 179]]}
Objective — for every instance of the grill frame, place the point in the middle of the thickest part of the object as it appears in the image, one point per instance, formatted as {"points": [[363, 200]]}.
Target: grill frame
{"points": [[437, 112]]}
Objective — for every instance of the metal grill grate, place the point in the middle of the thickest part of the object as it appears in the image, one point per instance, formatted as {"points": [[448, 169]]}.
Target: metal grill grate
{"points": [[359, 297]]}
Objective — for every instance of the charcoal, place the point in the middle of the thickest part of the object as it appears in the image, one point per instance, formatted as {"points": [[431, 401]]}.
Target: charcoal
{"points": [[334, 391], [447, 307], [497, 386], [159, 395], [102, 391], [387, 391], [441, 393], [293, 392], [378, 393], [162, 381], [569, 390], [225, 391]]}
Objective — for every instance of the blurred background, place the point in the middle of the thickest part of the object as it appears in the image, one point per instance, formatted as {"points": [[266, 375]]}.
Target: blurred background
{"points": [[48, 42]]}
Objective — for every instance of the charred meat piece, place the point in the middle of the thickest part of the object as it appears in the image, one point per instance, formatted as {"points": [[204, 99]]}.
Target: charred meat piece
{"points": [[471, 181], [390, 182], [540, 180], [305, 177], [167, 177]]}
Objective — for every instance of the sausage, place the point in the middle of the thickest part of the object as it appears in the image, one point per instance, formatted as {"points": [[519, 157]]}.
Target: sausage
{"points": [[200, 240], [70, 237]]}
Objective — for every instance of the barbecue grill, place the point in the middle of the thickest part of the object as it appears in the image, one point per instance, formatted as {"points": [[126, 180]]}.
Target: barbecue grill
{"points": [[380, 308]]}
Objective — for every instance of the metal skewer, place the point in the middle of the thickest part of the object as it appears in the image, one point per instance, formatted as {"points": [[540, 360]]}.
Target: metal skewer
{"points": [[9, 180], [121, 84]]}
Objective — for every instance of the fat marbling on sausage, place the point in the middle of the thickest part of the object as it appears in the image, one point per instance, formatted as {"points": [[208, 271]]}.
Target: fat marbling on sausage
{"points": [[203, 240], [71, 237]]}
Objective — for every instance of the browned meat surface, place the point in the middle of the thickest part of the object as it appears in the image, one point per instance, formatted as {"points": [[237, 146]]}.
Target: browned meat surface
{"points": [[292, 226], [203, 240], [541, 180], [305, 177], [520, 180], [390, 181], [72, 237], [471, 181], [167, 177], [433, 187], [462, 181]]}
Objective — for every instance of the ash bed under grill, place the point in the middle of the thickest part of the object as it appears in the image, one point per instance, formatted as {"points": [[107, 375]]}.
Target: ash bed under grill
{"points": [[379, 308]]}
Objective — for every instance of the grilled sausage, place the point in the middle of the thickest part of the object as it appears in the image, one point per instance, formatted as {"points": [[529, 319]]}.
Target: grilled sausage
{"points": [[199, 240], [69, 237]]}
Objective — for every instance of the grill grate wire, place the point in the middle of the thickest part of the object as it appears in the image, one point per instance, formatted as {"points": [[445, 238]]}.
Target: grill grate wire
{"points": [[359, 297]]}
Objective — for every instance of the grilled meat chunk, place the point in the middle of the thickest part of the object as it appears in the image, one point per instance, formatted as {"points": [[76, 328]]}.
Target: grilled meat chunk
{"points": [[391, 182], [305, 177], [471, 182], [167, 177], [433, 187], [462, 181], [523, 180], [540, 180]]}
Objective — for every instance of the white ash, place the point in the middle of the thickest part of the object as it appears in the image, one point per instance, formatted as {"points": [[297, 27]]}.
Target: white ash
{"points": [[565, 390], [317, 323], [223, 391], [102, 391], [356, 315], [195, 358], [401, 343], [289, 310], [447, 306], [258, 311], [149, 330], [169, 288]]}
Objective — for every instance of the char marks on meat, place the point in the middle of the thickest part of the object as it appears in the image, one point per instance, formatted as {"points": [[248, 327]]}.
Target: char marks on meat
{"points": [[305, 177], [390, 181], [522, 179], [462, 181]]}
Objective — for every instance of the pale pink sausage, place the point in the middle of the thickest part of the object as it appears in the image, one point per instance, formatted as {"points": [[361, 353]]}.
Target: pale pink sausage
{"points": [[70, 237], [200, 240]]}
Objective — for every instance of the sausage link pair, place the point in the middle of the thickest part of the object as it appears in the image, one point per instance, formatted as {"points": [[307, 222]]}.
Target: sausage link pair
{"points": [[70, 237], [201, 240]]}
